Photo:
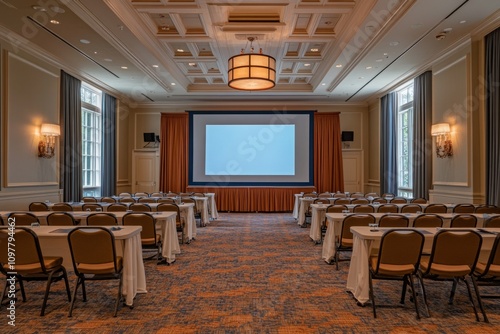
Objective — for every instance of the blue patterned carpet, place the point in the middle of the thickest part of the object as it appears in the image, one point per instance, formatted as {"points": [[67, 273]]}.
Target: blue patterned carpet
{"points": [[248, 273]]}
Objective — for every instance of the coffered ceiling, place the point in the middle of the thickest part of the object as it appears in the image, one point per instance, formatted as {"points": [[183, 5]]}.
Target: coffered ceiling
{"points": [[164, 50]]}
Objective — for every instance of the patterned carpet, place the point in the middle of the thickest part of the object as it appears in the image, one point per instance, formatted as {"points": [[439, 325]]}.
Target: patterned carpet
{"points": [[248, 273]]}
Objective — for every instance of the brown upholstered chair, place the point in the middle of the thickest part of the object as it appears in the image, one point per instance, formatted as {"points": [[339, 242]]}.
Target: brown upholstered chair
{"points": [[321, 200], [62, 207], [397, 259], [363, 208], [60, 219], [92, 207], [94, 258], [411, 208], [400, 200], [419, 201], [180, 223], [149, 238], [117, 207], [140, 207], [436, 208], [428, 220], [108, 199], [89, 199], [492, 222], [463, 221], [30, 264], [360, 200], [147, 200], [464, 208], [388, 208], [393, 220], [485, 208], [127, 200], [38, 206], [22, 218], [102, 219]]}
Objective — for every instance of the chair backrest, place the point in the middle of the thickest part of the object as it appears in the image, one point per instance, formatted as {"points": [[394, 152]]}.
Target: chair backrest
{"points": [[379, 200], [464, 208], [325, 194], [388, 195], [436, 208], [124, 194], [147, 200], [411, 208], [185, 194], [464, 220], [419, 201], [363, 208], [62, 207], [22, 218], [393, 221], [169, 207], [492, 222], [108, 199], [321, 200], [388, 208], [485, 208], [428, 220], [117, 207], [92, 245], [140, 207], [141, 194], [355, 220], [312, 195], [89, 199], [38, 206], [171, 194], [339, 208], [92, 207], [147, 221], [198, 194], [28, 250], [360, 200], [127, 200], [60, 219], [342, 200], [339, 195], [156, 194], [102, 219], [400, 200], [493, 260], [357, 195], [372, 194], [166, 200], [455, 248], [191, 200], [400, 247]]}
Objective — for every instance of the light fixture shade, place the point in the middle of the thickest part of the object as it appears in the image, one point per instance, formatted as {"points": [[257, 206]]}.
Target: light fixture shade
{"points": [[48, 129], [250, 71], [440, 128]]}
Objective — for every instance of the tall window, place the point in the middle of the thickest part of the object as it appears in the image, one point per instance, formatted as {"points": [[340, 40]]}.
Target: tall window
{"points": [[91, 140], [405, 139]]}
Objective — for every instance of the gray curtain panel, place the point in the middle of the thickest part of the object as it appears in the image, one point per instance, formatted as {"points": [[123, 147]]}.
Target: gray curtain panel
{"points": [[108, 159], [422, 139], [492, 70], [388, 145], [71, 138]]}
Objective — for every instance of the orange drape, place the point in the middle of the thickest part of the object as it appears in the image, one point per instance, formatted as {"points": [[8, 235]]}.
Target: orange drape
{"points": [[328, 167], [328, 173], [174, 152]]}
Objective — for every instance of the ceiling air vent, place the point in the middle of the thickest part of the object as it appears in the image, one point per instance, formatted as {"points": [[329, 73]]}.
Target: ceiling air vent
{"points": [[253, 18]]}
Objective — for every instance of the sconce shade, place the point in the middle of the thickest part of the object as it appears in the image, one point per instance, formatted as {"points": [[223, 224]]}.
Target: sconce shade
{"points": [[252, 72], [440, 129], [48, 129]]}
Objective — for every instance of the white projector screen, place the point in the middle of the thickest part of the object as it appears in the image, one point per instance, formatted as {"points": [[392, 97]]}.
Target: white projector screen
{"points": [[250, 148]]}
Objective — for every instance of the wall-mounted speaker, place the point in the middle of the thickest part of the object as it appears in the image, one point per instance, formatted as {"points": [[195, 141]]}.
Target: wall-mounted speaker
{"points": [[347, 135]]}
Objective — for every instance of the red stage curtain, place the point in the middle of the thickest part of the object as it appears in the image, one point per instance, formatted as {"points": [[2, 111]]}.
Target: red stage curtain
{"points": [[174, 152], [328, 167]]}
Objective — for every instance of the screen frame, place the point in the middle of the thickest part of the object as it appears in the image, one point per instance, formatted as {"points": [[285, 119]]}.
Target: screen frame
{"points": [[309, 182]]}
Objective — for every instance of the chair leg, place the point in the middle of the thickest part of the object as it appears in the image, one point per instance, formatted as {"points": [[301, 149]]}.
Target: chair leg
{"points": [[21, 287], [470, 297], [453, 289], [46, 296], [479, 300], [70, 313], [421, 280], [372, 296], [65, 277], [337, 258], [119, 297], [403, 292], [410, 278]]}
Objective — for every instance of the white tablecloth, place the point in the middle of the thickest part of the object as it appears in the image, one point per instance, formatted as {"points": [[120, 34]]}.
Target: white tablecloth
{"points": [[317, 217]]}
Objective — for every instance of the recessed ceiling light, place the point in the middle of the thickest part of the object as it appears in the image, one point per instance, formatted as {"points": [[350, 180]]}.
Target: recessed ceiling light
{"points": [[393, 43], [57, 9], [368, 67], [463, 21], [338, 65], [307, 64], [84, 41], [314, 49], [323, 84], [155, 66], [39, 8], [54, 21], [180, 50], [192, 64], [124, 67], [447, 29], [95, 52], [173, 84], [108, 59]]}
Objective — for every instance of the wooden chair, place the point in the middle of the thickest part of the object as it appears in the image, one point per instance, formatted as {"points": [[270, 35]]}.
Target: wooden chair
{"points": [[393, 221], [102, 219], [435, 208], [30, 263], [22, 218], [117, 207], [464, 208], [453, 257], [94, 258], [428, 220], [345, 241], [388, 208], [60, 219], [180, 223], [397, 259], [463, 221], [38, 206], [411, 208], [149, 238], [62, 207]]}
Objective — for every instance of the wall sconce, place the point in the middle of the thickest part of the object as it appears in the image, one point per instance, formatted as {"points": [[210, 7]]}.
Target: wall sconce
{"points": [[47, 146], [442, 131]]}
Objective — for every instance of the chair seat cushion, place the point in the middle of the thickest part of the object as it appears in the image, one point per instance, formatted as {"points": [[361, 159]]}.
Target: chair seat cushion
{"points": [[493, 271], [387, 269], [151, 241], [51, 263], [445, 270], [100, 268]]}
